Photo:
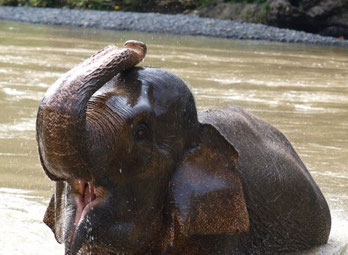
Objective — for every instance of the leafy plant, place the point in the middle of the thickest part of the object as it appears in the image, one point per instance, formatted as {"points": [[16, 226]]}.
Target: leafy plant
{"points": [[203, 2], [91, 4], [9, 2], [41, 3]]}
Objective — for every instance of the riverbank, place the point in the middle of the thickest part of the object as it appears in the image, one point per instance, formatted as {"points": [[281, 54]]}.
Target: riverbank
{"points": [[163, 23]]}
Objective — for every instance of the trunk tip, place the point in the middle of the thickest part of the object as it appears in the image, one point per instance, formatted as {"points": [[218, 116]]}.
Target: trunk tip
{"points": [[137, 46]]}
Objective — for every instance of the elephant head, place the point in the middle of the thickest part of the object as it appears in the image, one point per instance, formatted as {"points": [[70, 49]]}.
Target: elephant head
{"points": [[135, 171]]}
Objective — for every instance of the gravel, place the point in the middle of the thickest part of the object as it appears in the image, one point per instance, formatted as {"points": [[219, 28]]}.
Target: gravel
{"points": [[163, 23]]}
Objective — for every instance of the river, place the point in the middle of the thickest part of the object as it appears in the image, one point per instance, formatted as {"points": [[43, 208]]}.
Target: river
{"points": [[300, 89]]}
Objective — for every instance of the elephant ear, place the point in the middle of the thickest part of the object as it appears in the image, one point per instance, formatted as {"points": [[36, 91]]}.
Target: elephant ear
{"points": [[54, 215], [207, 190]]}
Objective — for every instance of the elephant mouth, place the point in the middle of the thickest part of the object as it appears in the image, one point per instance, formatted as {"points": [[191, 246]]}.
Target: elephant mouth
{"points": [[84, 199], [86, 196]]}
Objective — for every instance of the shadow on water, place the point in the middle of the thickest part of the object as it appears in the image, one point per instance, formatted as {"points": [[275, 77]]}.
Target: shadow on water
{"points": [[300, 89]]}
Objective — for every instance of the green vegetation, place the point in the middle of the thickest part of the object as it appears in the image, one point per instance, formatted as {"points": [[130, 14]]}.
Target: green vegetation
{"points": [[85, 4], [247, 1], [201, 3], [128, 5]]}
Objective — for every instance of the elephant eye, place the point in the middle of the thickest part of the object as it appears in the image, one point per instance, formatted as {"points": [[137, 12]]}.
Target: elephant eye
{"points": [[141, 131]]}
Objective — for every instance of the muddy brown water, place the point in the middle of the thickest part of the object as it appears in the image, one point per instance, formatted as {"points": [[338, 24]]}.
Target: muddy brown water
{"points": [[300, 89]]}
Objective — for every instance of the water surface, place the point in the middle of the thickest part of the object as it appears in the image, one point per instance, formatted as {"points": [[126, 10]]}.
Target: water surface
{"points": [[300, 89]]}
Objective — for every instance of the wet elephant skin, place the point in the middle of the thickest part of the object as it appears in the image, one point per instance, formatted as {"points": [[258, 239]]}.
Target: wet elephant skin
{"points": [[138, 171]]}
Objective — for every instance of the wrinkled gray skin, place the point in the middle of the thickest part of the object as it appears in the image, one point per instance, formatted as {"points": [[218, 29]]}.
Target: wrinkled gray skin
{"points": [[286, 208], [173, 191]]}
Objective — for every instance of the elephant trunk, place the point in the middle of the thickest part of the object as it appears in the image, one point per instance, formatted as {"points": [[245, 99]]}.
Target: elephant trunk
{"points": [[61, 119]]}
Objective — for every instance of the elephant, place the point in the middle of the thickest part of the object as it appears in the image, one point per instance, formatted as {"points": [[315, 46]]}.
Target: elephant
{"points": [[137, 170]]}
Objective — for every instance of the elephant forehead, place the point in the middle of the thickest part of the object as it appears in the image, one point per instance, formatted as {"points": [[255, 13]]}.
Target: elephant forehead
{"points": [[165, 100], [124, 100], [130, 107], [119, 104], [146, 89], [115, 92]]}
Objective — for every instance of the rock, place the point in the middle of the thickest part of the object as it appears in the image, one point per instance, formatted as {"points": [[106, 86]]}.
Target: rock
{"points": [[237, 11], [326, 17]]}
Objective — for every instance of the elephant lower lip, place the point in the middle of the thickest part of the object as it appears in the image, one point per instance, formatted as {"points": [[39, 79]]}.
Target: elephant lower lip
{"points": [[85, 199]]}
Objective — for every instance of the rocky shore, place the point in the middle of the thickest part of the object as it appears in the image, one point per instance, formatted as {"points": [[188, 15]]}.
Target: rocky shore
{"points": [[324, 17], [163, 23]]}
